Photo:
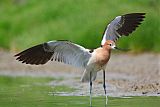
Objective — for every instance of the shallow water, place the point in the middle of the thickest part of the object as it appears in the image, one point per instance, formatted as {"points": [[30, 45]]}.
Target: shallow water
{"points": [[35, 92], [79, 101]]}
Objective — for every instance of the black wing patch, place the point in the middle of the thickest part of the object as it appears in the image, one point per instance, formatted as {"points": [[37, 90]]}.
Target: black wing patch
{"points": [[34, 55], [130, 22]]}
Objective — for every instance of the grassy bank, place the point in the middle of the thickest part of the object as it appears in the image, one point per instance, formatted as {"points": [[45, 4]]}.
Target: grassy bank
{"points": [[24, 23]]}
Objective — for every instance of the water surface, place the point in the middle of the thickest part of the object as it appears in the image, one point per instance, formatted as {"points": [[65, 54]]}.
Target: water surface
{"points": [[36, 92]]}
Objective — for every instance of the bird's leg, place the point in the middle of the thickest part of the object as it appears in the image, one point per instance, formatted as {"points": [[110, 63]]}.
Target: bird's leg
{"points": [[90, 89], [104, 86]]}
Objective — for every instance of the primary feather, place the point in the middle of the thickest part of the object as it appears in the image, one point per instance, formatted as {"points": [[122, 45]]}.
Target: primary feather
{"points": [[122, 25], [60, 51]]}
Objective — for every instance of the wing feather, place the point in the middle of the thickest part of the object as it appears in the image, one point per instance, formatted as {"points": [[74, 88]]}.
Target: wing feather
{"points": [[122, 25], [60, 51]]}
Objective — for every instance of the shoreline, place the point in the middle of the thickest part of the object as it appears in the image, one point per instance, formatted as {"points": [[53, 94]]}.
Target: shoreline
{"points": [[126, 75]]}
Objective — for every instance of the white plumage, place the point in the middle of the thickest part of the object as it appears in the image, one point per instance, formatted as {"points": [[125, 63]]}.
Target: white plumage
{"points": [[68, 53]]}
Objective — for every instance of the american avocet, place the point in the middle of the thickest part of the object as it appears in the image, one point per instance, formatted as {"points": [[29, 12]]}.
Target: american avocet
{"points": [[76, 55]]}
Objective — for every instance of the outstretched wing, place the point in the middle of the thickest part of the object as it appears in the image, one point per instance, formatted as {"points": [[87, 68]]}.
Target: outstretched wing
{"points": [[122, 25], [61, 51]]}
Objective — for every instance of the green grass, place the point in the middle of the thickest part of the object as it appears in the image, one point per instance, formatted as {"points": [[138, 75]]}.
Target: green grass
{"points": [[29, 22]]}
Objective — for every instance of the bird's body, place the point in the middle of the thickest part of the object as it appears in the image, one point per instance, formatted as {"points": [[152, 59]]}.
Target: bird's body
{"points": [[96, 63], [76, 55]]}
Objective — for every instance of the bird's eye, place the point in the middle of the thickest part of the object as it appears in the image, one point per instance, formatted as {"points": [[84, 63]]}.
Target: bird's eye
{"points": [[109, 44]]}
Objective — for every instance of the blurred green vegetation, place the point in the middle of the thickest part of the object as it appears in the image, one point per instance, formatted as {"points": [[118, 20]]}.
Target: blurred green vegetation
{"points": [[24, 23]]}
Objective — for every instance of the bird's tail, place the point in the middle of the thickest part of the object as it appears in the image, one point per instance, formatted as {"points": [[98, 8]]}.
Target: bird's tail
{"points": [[86, 76]]}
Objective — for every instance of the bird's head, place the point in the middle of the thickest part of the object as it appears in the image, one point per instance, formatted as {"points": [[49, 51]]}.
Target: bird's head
{"points": [[109, 44]]}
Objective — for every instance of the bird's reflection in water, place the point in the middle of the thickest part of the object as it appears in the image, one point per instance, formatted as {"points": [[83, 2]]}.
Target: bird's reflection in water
{"points": [[105, 102]]}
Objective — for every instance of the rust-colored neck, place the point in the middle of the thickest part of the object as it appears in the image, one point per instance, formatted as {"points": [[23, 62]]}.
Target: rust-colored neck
{"points": [[106, 47]]}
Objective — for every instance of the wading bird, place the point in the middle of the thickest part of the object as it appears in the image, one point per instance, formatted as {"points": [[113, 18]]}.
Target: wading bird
{"points": [[76, 55]]}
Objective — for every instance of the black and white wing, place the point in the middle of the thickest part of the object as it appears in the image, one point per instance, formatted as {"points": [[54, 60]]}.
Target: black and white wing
{"points": [[61, 51], [122, 25]]}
